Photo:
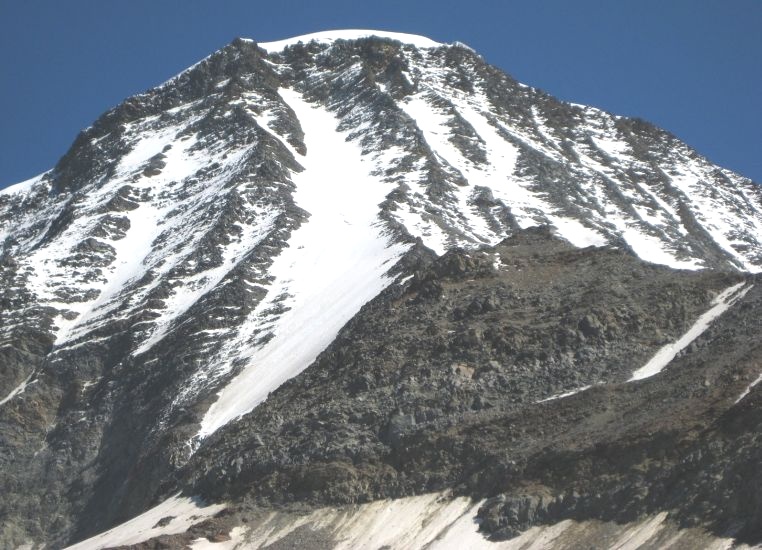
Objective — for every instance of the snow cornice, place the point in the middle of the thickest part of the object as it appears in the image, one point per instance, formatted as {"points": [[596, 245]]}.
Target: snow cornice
{"points": [[328, 37]]}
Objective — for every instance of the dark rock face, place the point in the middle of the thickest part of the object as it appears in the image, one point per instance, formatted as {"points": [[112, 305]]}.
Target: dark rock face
{"points": [[704, 476], [442, 383], [128, 269]]}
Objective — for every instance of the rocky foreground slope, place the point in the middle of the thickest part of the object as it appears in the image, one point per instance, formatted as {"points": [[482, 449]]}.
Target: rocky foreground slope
{"points": [[346, 268]]}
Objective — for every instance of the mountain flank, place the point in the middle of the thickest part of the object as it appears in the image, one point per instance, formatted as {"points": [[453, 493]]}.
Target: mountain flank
{"points": [[307, 285]]}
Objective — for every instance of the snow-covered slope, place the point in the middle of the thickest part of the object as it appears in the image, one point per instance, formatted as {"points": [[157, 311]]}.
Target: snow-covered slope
{"points": [[336, 261], [203, 242], [173, 516], [432, 521], [456, 137]]}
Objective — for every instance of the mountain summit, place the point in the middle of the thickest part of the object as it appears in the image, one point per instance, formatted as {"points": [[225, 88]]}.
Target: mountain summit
{"points": [[354, 266]]}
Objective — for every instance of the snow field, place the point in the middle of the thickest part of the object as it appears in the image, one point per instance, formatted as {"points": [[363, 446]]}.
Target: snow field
{"points": [[335, 262], [184, 512], [435, 522]]}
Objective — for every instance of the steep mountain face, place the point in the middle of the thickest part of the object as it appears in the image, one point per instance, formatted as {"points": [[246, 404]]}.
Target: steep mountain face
{"points": [[496, 293]]}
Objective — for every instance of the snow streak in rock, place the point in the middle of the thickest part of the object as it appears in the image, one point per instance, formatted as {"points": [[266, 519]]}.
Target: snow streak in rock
{"points": [[749, 388], [665, 355], [565, 394], [18, 390]]}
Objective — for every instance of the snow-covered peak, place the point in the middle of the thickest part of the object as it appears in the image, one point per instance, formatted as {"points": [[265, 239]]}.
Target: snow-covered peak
{"points": [[349, 34], [207, 240]]}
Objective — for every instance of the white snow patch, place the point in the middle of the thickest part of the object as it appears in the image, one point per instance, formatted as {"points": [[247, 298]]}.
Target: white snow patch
{"points": [[433, 123], [418, 224], [650, 216], [745, 392], [412, 522], [146, 146], [236, 541], [565, 394], [666, 354], [611, 146], [721, 212], [336, 261], [131, 252], [327, 37], [576, 233], [650, 248], [184, 511], [439, 522], [403, 280], [636, 536], [18, 390]]}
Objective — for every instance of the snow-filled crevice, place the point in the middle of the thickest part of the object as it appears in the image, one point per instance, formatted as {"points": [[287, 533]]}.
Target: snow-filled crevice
{"points": [[18, 390], [749, 388], [666, 354], [565, 394]]}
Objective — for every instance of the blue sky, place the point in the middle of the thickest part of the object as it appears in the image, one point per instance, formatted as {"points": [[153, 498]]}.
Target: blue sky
{"points": [[693, 67]]}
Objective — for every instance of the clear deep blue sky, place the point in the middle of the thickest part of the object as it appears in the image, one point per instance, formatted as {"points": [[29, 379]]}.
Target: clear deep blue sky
{"points": [[693, 67]]}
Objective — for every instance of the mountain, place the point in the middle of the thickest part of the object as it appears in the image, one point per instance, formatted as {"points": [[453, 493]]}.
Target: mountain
{"points": [[357, 266]]}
